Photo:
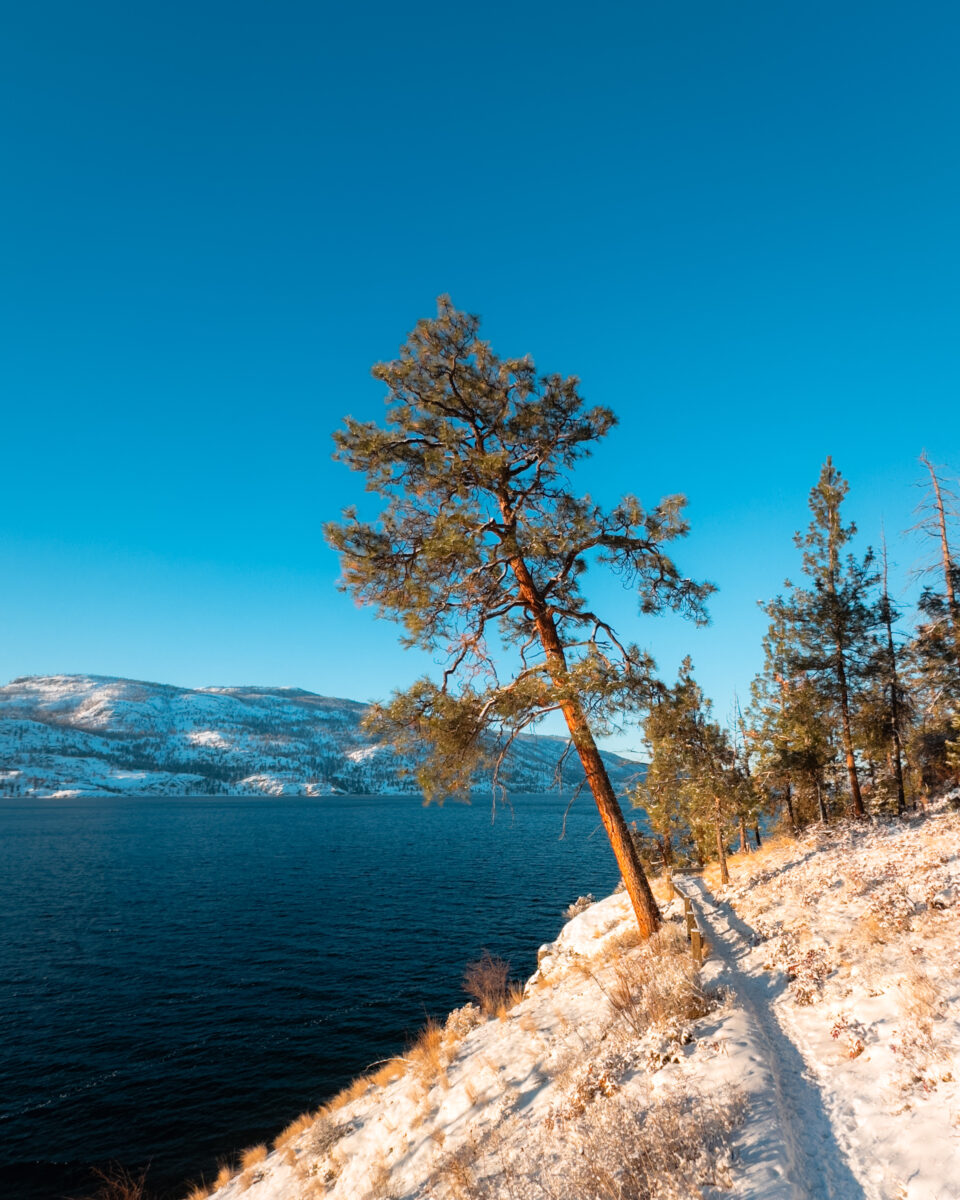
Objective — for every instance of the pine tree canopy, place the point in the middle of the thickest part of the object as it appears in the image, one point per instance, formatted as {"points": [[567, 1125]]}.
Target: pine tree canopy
{"points": [[483, 545]]}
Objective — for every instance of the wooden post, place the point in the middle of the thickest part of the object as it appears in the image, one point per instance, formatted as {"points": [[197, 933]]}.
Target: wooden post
{"points": [[696, 944]]}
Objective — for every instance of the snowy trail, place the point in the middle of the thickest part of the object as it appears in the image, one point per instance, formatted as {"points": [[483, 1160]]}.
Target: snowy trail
{"points": [[790, 1151]]}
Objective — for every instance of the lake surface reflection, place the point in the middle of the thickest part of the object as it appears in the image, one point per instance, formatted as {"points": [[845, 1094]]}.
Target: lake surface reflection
{"points": [[181, 977]]}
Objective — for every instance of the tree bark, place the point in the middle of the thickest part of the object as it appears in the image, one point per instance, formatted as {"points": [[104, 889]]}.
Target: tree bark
{"points": [[666, 852], [788, 801], [756, 833], [721, 853], [638, 888], [744, 844], [821, 806], [894, 690], [858, 809]]}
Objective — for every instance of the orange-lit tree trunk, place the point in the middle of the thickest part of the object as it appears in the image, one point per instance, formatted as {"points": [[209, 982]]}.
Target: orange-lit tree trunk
{"points": [[638, 887]]}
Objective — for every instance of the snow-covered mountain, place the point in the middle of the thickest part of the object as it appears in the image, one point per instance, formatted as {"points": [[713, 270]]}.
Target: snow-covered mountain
{"points": [[93, 734]]}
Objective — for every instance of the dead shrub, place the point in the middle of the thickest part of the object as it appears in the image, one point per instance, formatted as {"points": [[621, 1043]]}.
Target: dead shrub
{"points": [[457, 1172], [379, 1186], [486, 981], [610, 1150], [923, 1063], [675, 1148], [326, 1133], [581, 904], [657, 985], [118, 1183]]}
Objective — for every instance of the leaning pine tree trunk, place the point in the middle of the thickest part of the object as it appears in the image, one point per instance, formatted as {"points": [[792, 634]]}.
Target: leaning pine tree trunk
{"points": [[635, 881]]}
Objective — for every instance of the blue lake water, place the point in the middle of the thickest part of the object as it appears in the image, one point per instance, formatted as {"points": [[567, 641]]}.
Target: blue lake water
{"points": [[179, 978]]}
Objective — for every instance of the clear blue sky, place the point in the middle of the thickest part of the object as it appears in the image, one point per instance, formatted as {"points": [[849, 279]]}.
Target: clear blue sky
{"points": [[739, 224]]}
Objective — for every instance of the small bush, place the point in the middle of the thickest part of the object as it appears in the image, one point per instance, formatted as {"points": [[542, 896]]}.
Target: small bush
{"points": [[486, 981], [118, 1183], [581, 904], [656, 985], [326, 1133]]}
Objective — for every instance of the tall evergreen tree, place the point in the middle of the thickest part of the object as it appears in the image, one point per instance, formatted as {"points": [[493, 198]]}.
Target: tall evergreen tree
{"points": [[787, 731], [836, 617], [884, 715], [693, 767], [481, 548]]}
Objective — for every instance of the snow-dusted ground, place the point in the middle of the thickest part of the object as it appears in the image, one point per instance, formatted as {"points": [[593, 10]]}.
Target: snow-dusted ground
{"points": [[858, 961], [822, 1065]]}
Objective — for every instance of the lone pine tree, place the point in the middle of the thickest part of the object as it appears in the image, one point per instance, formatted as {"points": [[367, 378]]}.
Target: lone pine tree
{"points": [[481, 548]]}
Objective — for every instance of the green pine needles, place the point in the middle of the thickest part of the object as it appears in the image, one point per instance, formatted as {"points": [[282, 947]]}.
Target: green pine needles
{"points": [[480, 552]]}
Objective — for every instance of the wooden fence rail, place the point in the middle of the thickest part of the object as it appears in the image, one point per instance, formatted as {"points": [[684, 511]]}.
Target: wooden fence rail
{"points": [[694, 932]]}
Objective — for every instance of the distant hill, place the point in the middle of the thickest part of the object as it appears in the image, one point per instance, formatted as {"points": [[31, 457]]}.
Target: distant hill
{"points": [[96, 735]]}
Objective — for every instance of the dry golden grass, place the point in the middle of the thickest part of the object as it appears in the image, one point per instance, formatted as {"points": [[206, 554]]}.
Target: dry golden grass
{"points": [[470, 1091], [224, 1175], [199, 1191], [253, 1155], [353, 1091], [627, 939], [921, 998], [426, 1054], [511, 1000], [393, 1069], [294, 1129]]}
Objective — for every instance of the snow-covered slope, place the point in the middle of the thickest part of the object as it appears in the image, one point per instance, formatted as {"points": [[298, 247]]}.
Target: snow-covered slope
{"points": [[816, 1056], [92, 734]]}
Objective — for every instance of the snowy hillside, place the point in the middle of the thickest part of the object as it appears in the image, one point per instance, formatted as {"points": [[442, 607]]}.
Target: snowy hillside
{"points": [[815, 1057], [90, 734]]}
